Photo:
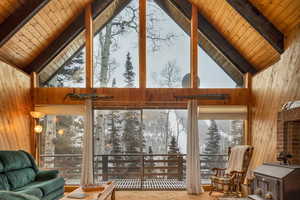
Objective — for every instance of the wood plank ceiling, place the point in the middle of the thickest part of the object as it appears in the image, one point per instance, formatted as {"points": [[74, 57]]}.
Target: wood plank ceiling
{"points": [[40, 31], [51, 20]]}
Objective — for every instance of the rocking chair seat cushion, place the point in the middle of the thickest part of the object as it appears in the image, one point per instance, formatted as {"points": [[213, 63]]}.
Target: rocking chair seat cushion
{"points": [[221, 180]]}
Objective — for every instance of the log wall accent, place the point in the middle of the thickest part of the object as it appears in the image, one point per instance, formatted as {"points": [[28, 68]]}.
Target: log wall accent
{"points": [[270, 90], [15, 105]]}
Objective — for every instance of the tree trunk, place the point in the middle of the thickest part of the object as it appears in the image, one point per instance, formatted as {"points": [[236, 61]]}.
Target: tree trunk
{"points": [[105, 55], [99, 140], [167, 130], [50, 135]]}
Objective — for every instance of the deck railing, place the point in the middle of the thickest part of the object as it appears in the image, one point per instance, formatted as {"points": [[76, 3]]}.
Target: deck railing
{"points": [[140, 167]]}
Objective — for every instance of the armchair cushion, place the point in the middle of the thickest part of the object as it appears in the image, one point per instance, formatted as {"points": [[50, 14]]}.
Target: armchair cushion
{"points": [[14, 160], [21, 177], [47, 187], [6, 195], [4, 184], [44, 175], [37, 192]]}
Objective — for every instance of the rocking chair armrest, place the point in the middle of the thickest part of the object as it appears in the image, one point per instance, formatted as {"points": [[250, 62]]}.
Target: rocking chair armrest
{"points": [[218, 169], [237, 172]]}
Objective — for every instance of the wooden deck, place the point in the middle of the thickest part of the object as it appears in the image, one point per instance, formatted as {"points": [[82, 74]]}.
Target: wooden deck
{"points": [[149, 184]]}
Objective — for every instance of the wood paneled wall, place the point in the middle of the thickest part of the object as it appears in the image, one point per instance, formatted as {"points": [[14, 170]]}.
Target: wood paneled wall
{"points": [[270, 90], [15, 105]]}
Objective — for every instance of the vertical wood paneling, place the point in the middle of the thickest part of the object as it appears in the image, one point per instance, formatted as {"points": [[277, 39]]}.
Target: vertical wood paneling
{"points": [[270, 90], [15, 105]]}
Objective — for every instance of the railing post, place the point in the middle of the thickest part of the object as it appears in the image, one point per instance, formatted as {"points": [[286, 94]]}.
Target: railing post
{"points": [[105, 167], [180, 167], [142, 171]]}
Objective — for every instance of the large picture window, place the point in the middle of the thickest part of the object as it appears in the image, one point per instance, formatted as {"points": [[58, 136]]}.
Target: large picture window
{"points": [[128, 141], [216, 136], [61, 145]]}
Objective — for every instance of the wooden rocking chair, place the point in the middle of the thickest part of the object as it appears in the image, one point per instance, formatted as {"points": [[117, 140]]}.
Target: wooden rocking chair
{"points": [[229, 181]]}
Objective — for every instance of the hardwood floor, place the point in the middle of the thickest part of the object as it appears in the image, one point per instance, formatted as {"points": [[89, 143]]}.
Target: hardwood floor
{"points": [[161, 195]]}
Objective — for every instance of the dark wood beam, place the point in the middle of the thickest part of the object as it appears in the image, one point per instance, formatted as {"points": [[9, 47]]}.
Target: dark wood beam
{"points": [[259, 22], [72, 31], [19, 18], [143, 96], [216, 38]]}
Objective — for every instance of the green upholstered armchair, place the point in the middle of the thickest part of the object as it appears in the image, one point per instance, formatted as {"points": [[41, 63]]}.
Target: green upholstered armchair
{"points": [[20, 176]]}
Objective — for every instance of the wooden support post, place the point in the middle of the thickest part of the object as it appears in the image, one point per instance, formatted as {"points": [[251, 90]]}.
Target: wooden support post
{"points": [[194, 47], [247, 125], [105, 167], [33, 123], [142, 44], [142, 171], [89, 46], [180, 168]]}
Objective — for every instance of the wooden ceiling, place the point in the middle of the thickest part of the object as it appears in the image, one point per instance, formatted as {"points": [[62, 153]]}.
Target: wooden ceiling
{"points": [[36, 35], [40, 31]]}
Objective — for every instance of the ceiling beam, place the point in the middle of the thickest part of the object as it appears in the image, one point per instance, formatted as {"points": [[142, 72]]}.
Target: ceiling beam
{"points": [[259, 22], [216, 38], [19, 18], [72, 31]]}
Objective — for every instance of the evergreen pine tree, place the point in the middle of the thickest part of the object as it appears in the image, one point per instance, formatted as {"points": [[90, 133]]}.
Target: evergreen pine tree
{"points": [[150, 162], [132, 138], [212, 145], [131, 132], [70, 72], [236, 132], [129, 73], [173, 147], [173, 151], [114, 127]]}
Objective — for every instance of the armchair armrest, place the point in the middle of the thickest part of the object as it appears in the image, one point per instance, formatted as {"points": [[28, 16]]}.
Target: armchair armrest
{"points": [[43, 175]]}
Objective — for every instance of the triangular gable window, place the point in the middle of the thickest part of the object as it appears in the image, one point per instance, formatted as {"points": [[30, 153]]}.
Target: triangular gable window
{"points": [[116, 50], [168, 59], [211, 74], [116, 54], [71, 73], [168, 50]]}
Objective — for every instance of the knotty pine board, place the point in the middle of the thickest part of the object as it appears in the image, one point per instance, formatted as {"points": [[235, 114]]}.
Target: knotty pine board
{"points": [[271, 89], [15, 105]]}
